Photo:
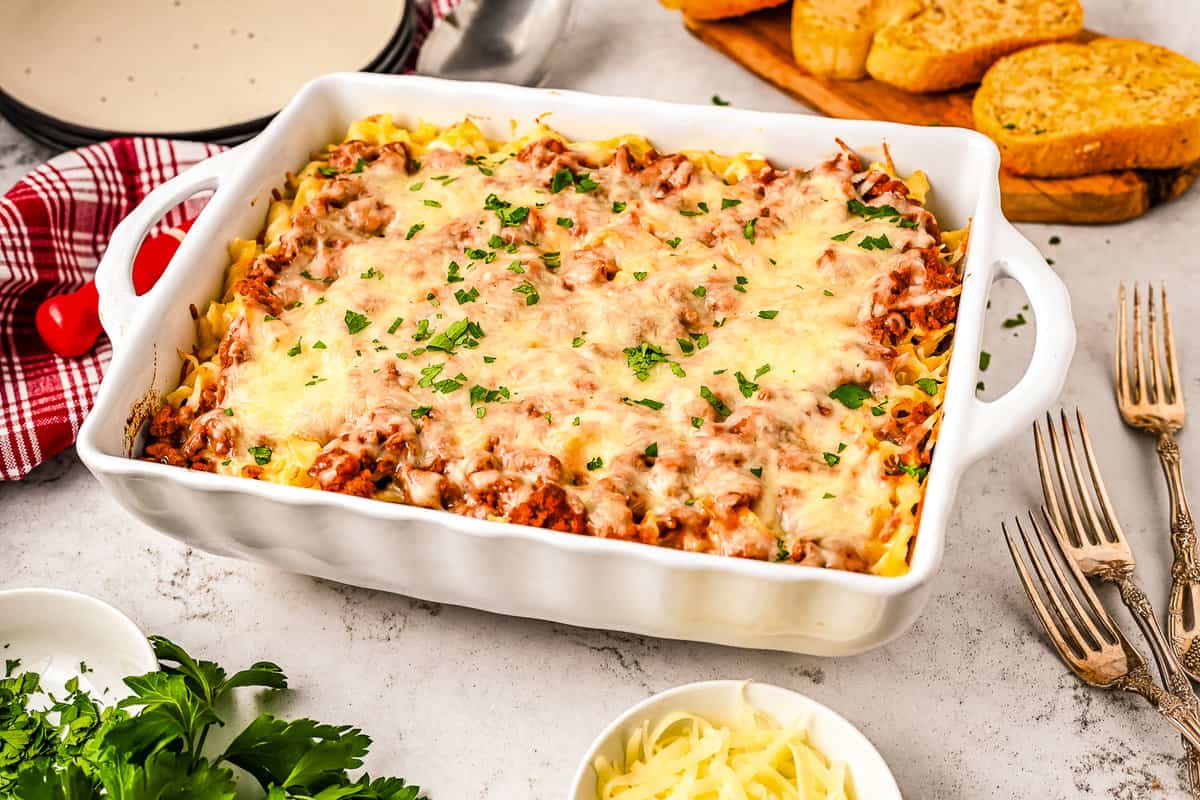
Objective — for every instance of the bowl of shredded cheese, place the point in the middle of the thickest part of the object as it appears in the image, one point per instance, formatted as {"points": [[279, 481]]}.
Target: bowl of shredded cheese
{"points": [[732, 739]]}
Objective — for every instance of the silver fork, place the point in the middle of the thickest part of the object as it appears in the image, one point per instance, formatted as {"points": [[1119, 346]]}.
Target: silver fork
{"points": [[1151, 399], [1085, 636], [1091, 536]]}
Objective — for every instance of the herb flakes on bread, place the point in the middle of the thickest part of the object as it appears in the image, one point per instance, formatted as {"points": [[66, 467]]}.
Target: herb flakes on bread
{"points": [[950, 44], [1073, 109]]}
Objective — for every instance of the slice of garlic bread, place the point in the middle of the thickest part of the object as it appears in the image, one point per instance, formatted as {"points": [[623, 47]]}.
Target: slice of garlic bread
{"points": [[831, 38], [951, 43], [719, 9], [1074, 109]]}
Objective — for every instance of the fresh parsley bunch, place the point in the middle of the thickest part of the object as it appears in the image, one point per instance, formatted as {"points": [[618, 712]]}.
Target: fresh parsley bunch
{"points": [[80, 750]]}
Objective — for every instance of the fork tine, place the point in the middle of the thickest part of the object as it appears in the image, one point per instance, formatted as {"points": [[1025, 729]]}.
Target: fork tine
{"points": [[1083, 533], [1064, 617], [1173, 379], [1157, 395], [1110, 515], [1054, 510], [1122, 350], [1068, 652], [1089, 509], [1139, 363], [1098, 612]]}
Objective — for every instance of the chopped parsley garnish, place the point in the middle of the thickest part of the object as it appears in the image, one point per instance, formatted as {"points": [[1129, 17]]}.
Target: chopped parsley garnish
{"points": [[429, 374], [763, 370], [861, 209], [697, 422], [315, 380], [464, 296], [261, 453], [359, 165], [701, 340], [561, 180], [575, 422], [565, 222], [328, 172], [618, 206], [653, 405], [396, 323], [454, 273], [685, 346], [318, 345], [229, 412], [828, 496], [320, 301], [831, 459], [423, 331], [851, 395], [746, 386], [717, 403], [294, 350], [414, 230], [928, 385], [482, 394], [475, 253], [639, 276], [530, 291], [687, 212], [700, 291], [674, 242], [740, 283], [552, 260], [781, 550], [462, 332], [878, 411], [432, 203], [917, 472], [1055, 240], [1015, 322], [489, 359], [585, 184], [355, 322], [729, 202], [595, 464], [879, 242], [450, 384], [979, 387], [841, 237], [495, 242], [676, 370], [985, 359], [641, 359], [509, 216], [306, 274], [827, 293], [516, 267], [717, 100], [372, 273], [416, 187], [756, 471], [421, 411], [768, 313], [579, 341], [907, 223], [748, 230], [651, 450]]}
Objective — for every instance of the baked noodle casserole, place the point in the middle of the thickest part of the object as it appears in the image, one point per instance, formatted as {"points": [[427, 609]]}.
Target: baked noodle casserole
{"points": [[691, 350]]}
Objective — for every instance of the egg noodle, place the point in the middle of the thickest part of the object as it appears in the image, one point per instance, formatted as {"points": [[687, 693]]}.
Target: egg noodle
{"points": [[686, 757]]}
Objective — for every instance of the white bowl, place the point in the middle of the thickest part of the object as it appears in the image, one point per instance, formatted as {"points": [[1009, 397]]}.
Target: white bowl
{"points": [[719, 702], [53, 632]]}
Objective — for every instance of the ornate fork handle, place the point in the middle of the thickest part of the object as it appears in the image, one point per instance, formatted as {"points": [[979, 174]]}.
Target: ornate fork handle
{"points": [[1171, 707], [1179, 686], [1184, 570]]}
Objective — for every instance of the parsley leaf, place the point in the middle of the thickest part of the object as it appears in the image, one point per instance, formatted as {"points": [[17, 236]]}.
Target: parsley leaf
{"points": [[717, 100], [851, 395], [641, 359], [1015, 322], [748, 230], [355, 321], [717, 403], [879, 242], [768, 313], [595, 464], [651, 450], [746, 386], [414, 230], [261, 454], [985, 359], [618, 206], [729, 202], [841, 237], [530, 291], [928, 385]]}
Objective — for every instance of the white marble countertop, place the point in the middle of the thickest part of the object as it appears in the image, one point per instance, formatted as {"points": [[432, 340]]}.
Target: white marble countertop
{"points": [[969, 703]]}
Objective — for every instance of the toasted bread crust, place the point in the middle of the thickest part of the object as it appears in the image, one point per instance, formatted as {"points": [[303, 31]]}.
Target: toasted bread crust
{"points": [[952, 45], [831, 38], [719, 9], [1073, 109]]}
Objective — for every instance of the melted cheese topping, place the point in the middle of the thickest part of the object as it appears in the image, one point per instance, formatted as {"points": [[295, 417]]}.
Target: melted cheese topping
{"points": [[682, 350]]}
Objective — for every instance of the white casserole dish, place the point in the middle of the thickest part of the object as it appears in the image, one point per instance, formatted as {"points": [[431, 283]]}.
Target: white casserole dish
{"points": [[526, 571]]}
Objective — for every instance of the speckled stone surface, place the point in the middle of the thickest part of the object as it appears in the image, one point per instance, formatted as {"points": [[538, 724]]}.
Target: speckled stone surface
{"points": [[969, 704]]}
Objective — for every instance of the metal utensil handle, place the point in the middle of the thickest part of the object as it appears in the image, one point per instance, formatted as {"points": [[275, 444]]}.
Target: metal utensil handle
{"points": [[1139, 682], [1184, 569], [1176, 680]]}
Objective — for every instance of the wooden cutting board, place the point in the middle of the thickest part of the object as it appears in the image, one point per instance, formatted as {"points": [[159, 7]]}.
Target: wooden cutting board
{"points": [[761, 42]]}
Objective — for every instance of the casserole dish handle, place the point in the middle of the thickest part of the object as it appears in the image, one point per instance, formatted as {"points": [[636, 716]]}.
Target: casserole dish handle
{"points": [[992, 422], [114, 273]]}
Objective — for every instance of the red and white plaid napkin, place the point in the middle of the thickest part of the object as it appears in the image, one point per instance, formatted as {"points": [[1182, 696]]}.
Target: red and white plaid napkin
{"points": [[54, 226]]}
